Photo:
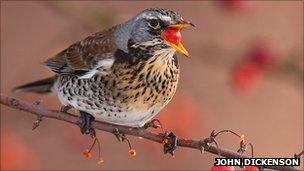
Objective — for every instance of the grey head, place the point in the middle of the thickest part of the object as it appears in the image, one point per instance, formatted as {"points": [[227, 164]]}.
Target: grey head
{"points": [[145, 29]]}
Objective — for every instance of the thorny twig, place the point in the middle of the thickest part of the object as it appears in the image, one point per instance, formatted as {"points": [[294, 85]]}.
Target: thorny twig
{"points": [[37, 121], [39, 117], [139, 132], [243, 145], [299, 155]]}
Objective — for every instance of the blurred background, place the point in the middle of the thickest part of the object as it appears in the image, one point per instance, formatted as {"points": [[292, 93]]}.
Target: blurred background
{"points": [[245, 73]]}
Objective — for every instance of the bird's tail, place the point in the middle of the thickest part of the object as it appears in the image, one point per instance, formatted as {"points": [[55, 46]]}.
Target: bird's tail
{"points": [[40, 86]]}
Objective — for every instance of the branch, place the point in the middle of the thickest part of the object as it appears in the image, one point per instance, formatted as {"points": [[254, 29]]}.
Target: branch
{"points": [[138, 132]]}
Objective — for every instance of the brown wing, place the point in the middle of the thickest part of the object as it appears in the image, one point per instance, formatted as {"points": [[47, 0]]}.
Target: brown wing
{"points": [[83, 56]]}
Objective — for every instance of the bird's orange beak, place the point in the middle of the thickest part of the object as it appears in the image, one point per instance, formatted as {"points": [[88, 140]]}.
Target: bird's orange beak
{"points": [[172, 35]]}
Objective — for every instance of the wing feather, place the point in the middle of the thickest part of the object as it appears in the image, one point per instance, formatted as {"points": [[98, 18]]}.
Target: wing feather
{"points": [[85, 56]]}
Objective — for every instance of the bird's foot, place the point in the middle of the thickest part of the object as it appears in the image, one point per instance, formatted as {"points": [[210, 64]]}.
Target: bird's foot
{"points": [[154, 123], [85, 125], [169, 142], [65, 109]]}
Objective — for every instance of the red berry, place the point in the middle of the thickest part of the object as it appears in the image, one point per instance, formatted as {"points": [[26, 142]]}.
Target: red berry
{"points": [[16, 154], [246, 75], [236, 4], [222, 168], [250, 168], [262, 54]]}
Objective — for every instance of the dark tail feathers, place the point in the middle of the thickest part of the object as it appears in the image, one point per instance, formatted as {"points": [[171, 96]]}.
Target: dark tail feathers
{"points": [[40, 86]]}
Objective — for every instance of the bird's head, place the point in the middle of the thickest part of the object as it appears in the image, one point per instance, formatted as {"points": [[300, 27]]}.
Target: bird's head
{"points": [[156, 29]]}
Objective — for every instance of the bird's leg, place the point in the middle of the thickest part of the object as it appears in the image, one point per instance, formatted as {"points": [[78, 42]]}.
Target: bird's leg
{"points": [[170, 142], [66, 108], [154, 123], [86, 121]]}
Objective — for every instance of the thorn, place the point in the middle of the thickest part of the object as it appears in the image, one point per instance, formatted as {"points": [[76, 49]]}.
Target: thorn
{"points": [[299, 155], [211, 139], [202, 149], [120, 137], [212, 134], [201, 146], [37, 122], [37, 102], [252, 150], [243, 147]]}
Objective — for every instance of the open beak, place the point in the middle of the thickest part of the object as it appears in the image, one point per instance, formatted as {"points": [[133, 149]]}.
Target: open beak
{"points": [[183, 24], [172, 35]]}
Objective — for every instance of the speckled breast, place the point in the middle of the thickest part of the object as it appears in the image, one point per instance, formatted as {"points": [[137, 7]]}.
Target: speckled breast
{"points": [[124, 95]]}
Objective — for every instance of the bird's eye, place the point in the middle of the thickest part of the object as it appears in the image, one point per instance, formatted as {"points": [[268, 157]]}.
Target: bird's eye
{"points": [[154, 23]]}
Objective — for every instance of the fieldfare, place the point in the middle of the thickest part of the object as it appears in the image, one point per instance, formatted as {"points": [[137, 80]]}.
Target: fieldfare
{"points": [[123, 75]]}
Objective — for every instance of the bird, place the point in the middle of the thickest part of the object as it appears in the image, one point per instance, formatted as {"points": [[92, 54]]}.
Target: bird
{"points": [[123, 75]]}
